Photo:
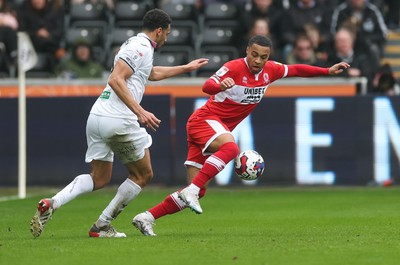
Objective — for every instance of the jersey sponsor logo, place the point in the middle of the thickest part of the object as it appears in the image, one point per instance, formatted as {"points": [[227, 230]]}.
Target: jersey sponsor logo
{"points": [[105, 95], [253, 95], [129, 61], [222, 71]]}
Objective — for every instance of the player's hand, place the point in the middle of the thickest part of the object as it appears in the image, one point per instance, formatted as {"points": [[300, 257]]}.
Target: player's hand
{"points": [[196, 64], [149, 120], [227, 83], [338, 68]]}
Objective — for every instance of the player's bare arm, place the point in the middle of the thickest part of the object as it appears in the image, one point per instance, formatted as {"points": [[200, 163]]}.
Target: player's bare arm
{"points": [[117, 81], [338, 68], [163, 72]]}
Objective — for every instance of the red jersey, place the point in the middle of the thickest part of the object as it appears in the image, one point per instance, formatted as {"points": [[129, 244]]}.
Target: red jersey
{"points": [[236, 103]]}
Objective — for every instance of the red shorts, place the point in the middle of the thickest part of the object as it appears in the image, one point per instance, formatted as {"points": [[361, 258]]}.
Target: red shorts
{"points": [[201, 131]]}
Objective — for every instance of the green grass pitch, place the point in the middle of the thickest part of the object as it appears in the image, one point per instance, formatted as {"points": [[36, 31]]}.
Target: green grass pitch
{"points": [[266, 226]]}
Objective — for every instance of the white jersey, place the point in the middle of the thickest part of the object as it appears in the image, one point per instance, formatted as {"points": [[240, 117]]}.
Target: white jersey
{"points": [[137, 52]]}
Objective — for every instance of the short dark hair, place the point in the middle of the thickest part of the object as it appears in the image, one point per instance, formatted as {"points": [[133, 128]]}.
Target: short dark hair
{"points": [[260, 40], [154, 19]]}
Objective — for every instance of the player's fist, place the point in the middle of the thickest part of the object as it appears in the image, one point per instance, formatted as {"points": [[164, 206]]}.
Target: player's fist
{"points": [[227, 83], [338, 68]]}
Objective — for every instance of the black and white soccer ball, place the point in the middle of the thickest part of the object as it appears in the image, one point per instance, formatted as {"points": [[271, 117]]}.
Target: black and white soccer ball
{"points": [[249, 165]]}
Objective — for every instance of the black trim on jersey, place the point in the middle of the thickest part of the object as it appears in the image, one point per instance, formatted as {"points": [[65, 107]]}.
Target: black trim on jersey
{"points": [[127, 64]]}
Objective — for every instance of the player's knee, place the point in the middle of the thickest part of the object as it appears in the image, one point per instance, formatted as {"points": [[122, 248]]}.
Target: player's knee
{"points": [[230, 149]]}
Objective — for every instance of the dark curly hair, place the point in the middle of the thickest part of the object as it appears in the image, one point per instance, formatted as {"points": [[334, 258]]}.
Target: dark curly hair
{"points": [[156, 18], [260, 40]]}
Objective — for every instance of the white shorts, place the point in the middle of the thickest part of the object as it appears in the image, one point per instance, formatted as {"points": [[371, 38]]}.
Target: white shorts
{"points": [[108, 136]]}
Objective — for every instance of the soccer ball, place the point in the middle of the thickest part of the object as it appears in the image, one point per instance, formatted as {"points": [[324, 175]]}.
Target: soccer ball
{"points": [[249, 165]]}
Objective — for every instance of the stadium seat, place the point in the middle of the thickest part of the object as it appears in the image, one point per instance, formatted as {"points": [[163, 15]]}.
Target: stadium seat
{"points": [[180, 11], [43, 67], [87, 12], [220, 11], [119, 35], [95, 36], [127, 13], [181, 34], [218, 35], [220, 14], [171, 59], [217, 55], [170, 55]]}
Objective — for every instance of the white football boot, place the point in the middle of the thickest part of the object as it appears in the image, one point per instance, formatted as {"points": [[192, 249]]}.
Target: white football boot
{"points": [[191, 200], [144, 222], [105, 231], [43, 214]]}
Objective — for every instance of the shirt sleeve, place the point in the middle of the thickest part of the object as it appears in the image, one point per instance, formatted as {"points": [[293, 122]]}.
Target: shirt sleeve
{"points": [[211, 86], [133, 54], [304, 70]]}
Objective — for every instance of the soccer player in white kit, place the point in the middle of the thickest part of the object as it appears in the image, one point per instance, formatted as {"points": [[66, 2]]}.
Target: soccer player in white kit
{"points": [[114, 127]]}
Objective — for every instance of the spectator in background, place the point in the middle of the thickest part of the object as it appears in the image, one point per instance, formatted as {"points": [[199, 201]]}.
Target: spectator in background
{"points": [[390, 10], [303, 13], [260, 26], [8, 36], [392, 15], [384, 82], [344, 51], [81, 63], [43, 20], [320, 46], [303, 52], [368, 23], [328, 5], [259, 9]]}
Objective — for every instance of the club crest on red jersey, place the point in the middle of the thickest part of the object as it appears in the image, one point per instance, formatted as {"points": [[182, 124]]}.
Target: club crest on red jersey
{"points": [[266, 78]]}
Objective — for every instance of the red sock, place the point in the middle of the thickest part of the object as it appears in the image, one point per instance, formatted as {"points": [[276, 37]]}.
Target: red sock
{"points": [[216, 163], [170, 205]]}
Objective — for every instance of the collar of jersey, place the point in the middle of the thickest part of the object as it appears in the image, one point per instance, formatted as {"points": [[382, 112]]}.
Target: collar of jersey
{"points": [[248, 67], [153, 43]]}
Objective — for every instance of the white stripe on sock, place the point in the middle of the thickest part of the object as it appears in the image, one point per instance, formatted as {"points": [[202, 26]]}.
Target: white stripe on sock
{"points": [[216, 162], [178, 202]]}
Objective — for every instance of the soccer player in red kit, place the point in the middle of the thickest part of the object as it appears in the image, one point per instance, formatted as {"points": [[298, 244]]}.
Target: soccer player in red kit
{"points": [[235, 89]]}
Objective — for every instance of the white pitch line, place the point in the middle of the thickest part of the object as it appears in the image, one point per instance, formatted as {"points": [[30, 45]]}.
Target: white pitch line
{"points": [[14, 198], [9, 198]]}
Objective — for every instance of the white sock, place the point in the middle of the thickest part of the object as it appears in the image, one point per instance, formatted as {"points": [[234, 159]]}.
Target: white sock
{"points": [[81, 184], [127, 191]]}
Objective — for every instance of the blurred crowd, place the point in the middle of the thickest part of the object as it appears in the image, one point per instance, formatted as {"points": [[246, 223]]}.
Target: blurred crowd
{"points": [[315, 32]]}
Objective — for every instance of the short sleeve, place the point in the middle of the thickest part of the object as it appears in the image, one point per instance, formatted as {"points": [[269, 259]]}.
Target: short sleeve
{"points": [[277, 70], [133, 54]]}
